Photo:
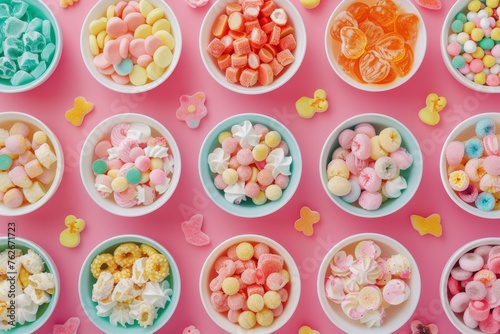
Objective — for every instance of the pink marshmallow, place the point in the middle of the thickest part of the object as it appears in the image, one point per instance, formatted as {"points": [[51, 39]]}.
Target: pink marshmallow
{"points": [[369, 180], [479, 310], [370, 200], [459, 302], [346, 137], [491, 165], [361, 146], [365, 128], [454, 153]]}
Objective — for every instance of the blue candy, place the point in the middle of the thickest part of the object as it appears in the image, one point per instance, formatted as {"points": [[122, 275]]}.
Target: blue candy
{"points": [[7, 68], [353, 195], [34, 42], [485, 201], [13, 27], [13, 48], [124, 67], [485, 127], [474, 148]]}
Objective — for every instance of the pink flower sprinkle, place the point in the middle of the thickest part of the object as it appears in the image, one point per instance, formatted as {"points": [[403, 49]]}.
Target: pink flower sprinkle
{"points": [[192, 109]]}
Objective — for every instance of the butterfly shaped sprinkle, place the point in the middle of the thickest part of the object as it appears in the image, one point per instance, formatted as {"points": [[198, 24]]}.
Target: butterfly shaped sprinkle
{"points": [[307, 218], [69, 327], [192, 231], [81, 107]]}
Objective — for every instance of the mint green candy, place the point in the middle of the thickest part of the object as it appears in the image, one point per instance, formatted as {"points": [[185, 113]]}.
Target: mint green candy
{"points": [[13, 48], [99, 167], [13, 27], [124, 67], [21, 78], [28, 61], [34, 42], [18, 8], [39, 70], [7, 68], [133, 176], [486, 43], [5, 161], [458, 62]]}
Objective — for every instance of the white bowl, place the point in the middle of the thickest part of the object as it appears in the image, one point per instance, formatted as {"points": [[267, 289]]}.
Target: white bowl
{"points": [[87, 156], [460, 6], [208, 273], [98, 11], [413, 174], [397, 315], [418, 49], [288, 72], [6, 121], [463, 131], [456, 319]]}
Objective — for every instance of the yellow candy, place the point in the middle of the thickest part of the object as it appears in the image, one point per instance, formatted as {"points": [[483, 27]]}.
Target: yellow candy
{"points": [[70, 237], [260, 198], [305, 223], [427, 225], [272, 299], [110, 11], [272, 139], [97, 26], [101, 37], [119, 184], [162, 24], [434, 104], [477, 34], [468, 27], [138, 76], [495, 34], [492, 3], [148, 250], [244, 251], [260, 152], [66, 3], [163, 56], [166, 38], [143, 31], [474, 6], [230, 176], [489, 11], [339, 186], [480, 78], [255, 173], [81, 107], [273, 192], [223, 135], [145, 7], [154, 16], [144, 177], [307, 107], [230, 286], [94, 47], [337, 167], [377, 150], [264, 317], [39, 137], [255, 302], [113, 173], [107, 39], [307, 330], [489, 61], [156, 163], [154, 71], [23, 277], [458, 180], [389, 139], [310, 4], [247, 319], [285, 274]]}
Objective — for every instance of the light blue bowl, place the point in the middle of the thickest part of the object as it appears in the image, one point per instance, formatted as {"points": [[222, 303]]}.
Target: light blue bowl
{"points": [[87, 281], [45, 310], [413, 174], [247, 208], [39, 9]]}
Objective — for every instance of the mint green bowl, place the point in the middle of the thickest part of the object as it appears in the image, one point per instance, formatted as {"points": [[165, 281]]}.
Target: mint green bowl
{"points": [[413, 174], [45, 310], [86, 282], [247, 208], [41, 10]]}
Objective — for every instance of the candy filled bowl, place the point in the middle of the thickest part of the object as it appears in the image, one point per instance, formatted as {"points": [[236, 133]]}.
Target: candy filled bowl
{"points": [[479, 260], [475, 141], [271, 41], [269, 172], [458, 50], [119, 270], [346, 161], [130, 165], [31, 173], [268, 283], [128, 62], [388, 278], [38, 280], [355, 65]]}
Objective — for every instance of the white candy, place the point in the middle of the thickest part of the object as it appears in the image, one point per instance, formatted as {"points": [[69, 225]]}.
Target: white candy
{"points": [[486, 70], [482, 14], [484, 23], [470, 76], [139, 131], [495, 69], [452, 38], [462, 37], [472, 16], [470, 46]]}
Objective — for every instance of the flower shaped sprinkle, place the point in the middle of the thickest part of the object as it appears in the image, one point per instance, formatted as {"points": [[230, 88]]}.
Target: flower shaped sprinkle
{"points": [[191, 330], [192, 109], [305, 223], [417, 327]]}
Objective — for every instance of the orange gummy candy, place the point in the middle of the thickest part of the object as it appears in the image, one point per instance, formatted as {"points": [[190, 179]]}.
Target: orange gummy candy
{"points": [[353, 42], [407, 25], [382, 15], [391, 76], [343, 19], [359, 10], [372, 32], [427, 225], [404, 65], [391, 46], [389, 4], [372, 67]]}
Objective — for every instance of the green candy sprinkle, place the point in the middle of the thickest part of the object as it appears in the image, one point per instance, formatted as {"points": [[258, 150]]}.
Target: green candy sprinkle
{"points": [[99, 166], [458, 62], [133, 176], [5, 161]]}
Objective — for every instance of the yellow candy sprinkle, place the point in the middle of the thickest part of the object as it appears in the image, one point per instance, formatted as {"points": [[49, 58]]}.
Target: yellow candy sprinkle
{"points": [[138, 76], [162, 24], [427, 225], [247, 319], [260, 152], [264, 317], [154, 71], [230, 285], [492, 3], [468, 27], [255, 302], [39, 137], [272, 299], [143, 31], [244, 251], [479, 53], [310, 4], [489, 61], [145, 7], [154, 16], [101, 37], [495, 34], [273, 192], [307, 330], [119, 184], [163, 56], [230, 176], [81, 107], [110, 11], [156, 163], [97, 26], [260, 198], [477, 34], [166, 38], [107, 39], [223, 135], [272, 139], [480, 78], [94, 47], [285, 274], [113, 173], [474, 6]]}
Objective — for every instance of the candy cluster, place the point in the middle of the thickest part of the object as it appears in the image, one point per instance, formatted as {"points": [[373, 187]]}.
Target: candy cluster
{"points": [[133, 165], [251, 285], [473, 42], [27, 43], [252, 42], [252, 162], [474, 289], [474, 167], [27, 164], [30, 288], [375, 41], [368, 283], [132, 43], [130, 284], [365, 168]]}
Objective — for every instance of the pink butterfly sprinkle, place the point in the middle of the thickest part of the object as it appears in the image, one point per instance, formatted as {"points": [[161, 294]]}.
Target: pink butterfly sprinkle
{"points": [[69, 327], [192, 231]]}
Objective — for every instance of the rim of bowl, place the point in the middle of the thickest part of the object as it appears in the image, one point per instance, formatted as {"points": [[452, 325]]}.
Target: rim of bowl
{"points": [[56, 145], [494, 214], [299, 52], [49, 262], [87, 154], [443, 282], [106, 80], [387, 242], [40, 5], [294, 291], [459, 6], [251, 211], [422, 37], [325, 158], [88, 305]]}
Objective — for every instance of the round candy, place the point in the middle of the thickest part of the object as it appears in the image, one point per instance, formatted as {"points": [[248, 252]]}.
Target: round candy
{"points": [[244, 251], [133, 176], [5, 161], [99, 167]]}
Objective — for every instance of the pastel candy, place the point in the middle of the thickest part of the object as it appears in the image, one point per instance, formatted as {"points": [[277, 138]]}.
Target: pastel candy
{"points": [[7, 68], [124, 67], [13, 47], [28, 61], [14, 27], [34, 41], [18, 8]]}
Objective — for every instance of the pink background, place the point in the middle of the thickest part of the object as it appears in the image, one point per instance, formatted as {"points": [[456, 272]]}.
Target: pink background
{"points": [[52, 99]]}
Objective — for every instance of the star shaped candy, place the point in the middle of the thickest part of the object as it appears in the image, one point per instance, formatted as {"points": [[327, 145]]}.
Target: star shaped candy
{"points": [[80, 108], [192, 231], [427, 225], [192, 109], [307, 218]]}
